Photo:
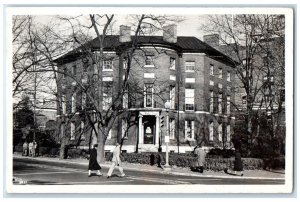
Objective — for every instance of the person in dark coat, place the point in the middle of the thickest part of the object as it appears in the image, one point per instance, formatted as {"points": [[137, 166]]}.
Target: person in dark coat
{"points": [[238, 164], [93, 163]]}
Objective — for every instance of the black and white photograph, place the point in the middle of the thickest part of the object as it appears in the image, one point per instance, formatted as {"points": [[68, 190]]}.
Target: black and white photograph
{"points": [[152, 100]]}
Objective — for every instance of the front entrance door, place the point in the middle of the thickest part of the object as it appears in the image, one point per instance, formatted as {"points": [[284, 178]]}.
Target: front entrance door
{"points": [[149, 129]]}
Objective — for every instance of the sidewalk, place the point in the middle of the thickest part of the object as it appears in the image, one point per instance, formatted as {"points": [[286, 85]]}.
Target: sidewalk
{"points": [[248, 174]]}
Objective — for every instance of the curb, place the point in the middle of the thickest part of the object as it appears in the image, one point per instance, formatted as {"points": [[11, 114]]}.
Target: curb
{"points": [[153, 170]]}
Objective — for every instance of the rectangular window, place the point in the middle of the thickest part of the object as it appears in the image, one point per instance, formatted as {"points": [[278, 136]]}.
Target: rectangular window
{"points": [[211, 131], [228, 76], [172, 97], [109, 135], [64, 104], [124, 129], [148, 99], [125, 63], [211, 103], [244, 99], [74, 69], [228, 138], [220, 103], [172, 128], [83, 101], [220, 73], [228, 104], [190, 66], [172, 63], [220, 132], [65, 72], [189, 99], [211, 70], [107, 65], [73, 103], [82, 130], [189, 129], [125, 99], [149, 60], [107, 95], [72, 131], [190, 80]]}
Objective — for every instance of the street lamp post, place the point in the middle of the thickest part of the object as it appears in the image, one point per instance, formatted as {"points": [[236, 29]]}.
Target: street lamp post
{"points": [[167, 136]]}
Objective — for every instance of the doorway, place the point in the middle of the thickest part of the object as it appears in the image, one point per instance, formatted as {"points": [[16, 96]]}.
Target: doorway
{"points": [[149, 129]]}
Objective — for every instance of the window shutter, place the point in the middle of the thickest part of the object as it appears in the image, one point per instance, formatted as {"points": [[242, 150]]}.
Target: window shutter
{"points": [[193, 129], [185, 129]]}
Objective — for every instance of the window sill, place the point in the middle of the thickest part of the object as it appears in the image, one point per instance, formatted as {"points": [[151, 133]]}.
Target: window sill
{"points": [[149, 66], [190, 139], [190, 71], [107, 70]]}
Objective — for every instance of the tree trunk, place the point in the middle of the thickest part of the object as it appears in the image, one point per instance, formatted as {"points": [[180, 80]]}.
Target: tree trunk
{"points": [[63, 153], [101, 144]]}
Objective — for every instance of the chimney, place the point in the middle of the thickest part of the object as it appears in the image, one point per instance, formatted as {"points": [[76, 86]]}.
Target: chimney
{"points": [[125, 34], [170, 33], [211, 39]]}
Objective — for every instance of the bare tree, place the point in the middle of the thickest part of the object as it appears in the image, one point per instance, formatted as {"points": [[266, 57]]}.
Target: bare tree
{"points": [[247, 39]]}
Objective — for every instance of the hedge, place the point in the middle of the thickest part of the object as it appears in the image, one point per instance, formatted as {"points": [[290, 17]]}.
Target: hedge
{"points": [[179, 160]]}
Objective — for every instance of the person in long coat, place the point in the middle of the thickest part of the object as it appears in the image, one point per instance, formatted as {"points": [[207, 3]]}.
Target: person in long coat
{"points": [[116, 161], [93, 163], [238, 164], [201, 154]]}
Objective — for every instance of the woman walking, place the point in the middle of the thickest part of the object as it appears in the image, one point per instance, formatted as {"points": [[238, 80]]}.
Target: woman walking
{"points": [[116, 161], [93, 163]]}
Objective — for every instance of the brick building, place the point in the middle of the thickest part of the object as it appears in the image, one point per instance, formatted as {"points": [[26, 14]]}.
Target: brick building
{"points": [[195, 78]]}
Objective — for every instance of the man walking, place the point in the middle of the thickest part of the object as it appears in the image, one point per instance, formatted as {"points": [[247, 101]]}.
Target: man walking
{"points": [[116, 161]]}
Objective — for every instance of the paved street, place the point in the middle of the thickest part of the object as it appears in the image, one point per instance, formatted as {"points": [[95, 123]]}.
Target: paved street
{"points": [[41, 172]]}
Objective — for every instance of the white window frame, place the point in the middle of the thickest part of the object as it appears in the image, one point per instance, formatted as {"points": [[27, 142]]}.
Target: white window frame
{"points": [[228, 133], [220, 72], [125, 99], [83, 100], [211, 102], [125, 63], [220, 98], [190, 66], [211, 70], [124, 129], [106, 98], [72, 131], [108, 65], [172, 128], [146, 93], [82, 125], [189, 98], [211, 83], [109, 135], [228, 104], [228, 76], [211, 131], [172, 63], [73, 103], [149, 61], [63, 104], [192, 130], [172, 97], [220, 132]]}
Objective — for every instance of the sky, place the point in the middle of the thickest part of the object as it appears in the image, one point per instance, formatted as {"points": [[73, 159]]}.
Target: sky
{"points": [[190, 26]]}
